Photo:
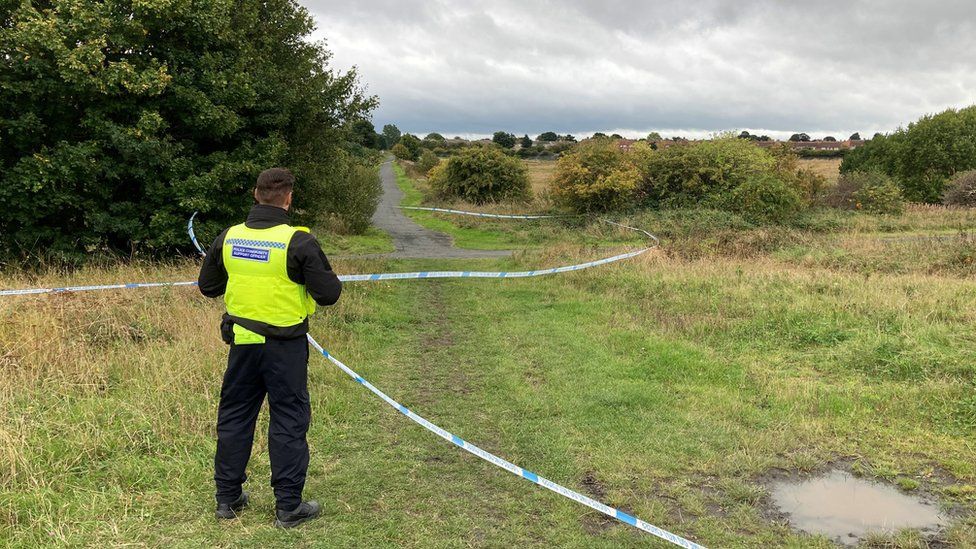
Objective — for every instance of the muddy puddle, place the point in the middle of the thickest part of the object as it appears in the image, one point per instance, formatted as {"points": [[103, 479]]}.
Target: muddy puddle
{"points": [[845, 508]]}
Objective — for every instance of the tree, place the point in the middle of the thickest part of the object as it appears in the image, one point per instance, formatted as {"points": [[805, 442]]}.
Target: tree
{"points": [[120, 118], [830, 138], [412, 143], [922, 157], [854, 137], [616, 136], [548, 136], [505, 140], [364, 134], [799, 137], [654, 136], [569, 138], [434, 136], [392, 134], [525, 141], [599, 135]]}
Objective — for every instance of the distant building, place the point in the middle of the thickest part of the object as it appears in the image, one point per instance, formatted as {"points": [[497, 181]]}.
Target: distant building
{"points": [[625, 144], [814, 145]]}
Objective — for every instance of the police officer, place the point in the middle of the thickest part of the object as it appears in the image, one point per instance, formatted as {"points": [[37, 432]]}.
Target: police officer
{"points": [[271, 275]]}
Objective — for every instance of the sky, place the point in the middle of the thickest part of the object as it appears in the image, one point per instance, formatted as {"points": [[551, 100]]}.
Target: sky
{"points": [[691, 68]]}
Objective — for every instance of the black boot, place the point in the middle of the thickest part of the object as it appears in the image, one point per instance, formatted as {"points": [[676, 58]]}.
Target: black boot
{"points": [[230, 510], [306, 511]]}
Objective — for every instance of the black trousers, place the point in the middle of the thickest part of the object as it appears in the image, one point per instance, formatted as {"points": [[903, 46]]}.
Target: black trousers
{"points": [[278, 368]]}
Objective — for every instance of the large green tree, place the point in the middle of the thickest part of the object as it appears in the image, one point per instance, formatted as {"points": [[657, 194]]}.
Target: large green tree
{"points": [[392, 134], [120, 117], [923, 156]]}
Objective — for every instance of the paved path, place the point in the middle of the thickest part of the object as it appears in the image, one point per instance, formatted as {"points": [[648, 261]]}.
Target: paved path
{"points": [[410, 240]]}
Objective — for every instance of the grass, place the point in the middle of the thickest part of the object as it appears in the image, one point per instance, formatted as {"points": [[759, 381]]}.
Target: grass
{"points": [[373, 241], [670, 385], [827, 167], [540, 174]]}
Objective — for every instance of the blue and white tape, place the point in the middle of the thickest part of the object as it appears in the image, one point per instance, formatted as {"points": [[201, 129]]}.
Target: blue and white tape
{"points": [[481, 214], [370, 277], [450, 437], [507, 465]]}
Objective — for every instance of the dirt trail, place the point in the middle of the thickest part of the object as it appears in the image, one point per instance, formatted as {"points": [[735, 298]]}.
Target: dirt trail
{"points": [[410, 240]]}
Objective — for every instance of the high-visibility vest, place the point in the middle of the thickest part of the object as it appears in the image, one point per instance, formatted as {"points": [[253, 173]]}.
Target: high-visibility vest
{"points": [[258, 287]]}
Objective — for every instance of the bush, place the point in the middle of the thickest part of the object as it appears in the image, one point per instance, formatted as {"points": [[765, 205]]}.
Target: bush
{"points": [[351, 197], [809, 184], [401, 151], [479, 175], [595, 176], [765, 198], [922, 157], [427, 162], [173, 107], [961, 191], [701, 173], [413, 144], [866, 191]]}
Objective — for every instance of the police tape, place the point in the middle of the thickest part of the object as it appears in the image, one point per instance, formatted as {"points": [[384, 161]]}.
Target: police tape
{"points": [[481, 214], [507, 465], [368, 277], [450, 437]]}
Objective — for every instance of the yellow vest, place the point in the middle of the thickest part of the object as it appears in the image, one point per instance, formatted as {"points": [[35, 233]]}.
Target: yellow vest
{"points": [[258, 287]]}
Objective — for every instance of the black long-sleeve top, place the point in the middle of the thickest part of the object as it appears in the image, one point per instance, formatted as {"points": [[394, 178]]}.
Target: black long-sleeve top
{"points": [[306, 262]]}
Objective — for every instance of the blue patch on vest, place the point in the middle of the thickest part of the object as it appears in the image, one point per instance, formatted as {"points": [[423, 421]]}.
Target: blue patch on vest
{"points": [[250, 254]]}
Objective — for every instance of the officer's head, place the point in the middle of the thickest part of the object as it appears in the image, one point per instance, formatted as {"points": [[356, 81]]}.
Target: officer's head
{"points": [[274, 187]]}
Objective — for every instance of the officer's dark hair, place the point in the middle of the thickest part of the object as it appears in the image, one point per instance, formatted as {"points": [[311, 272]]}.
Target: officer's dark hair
{"points": [[273, 186]]}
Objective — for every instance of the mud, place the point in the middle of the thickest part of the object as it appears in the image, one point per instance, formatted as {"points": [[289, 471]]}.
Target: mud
{"points": [[845, 508]]}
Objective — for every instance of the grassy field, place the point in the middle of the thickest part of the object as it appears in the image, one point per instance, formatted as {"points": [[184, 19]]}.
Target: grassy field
{"points": [[673, 386], [827, 167]]}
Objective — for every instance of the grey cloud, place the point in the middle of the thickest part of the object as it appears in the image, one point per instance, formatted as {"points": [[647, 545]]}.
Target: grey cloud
{"points": [[578, 66]]}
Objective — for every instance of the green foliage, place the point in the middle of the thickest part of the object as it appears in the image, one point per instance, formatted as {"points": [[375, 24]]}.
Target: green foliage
{"points": [[525, 141], [548, 136], [352, 196], [413, 145], [765, 197], [428, 161], [119, 118], [654, 136], [866, 191], [364, 134], [479, 175], [822, 153], [434, 136], [701, 173], [503, 139], [392, 134], [961, 191], [922, 157], [595, 176], [810, 185], [401, 151]]}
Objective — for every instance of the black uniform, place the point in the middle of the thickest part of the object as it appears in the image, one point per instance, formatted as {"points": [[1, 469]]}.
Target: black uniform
{"points": [[278, 368]]}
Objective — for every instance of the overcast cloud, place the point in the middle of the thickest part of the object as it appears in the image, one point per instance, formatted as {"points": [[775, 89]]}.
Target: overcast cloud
{"points": [[694, 68]]}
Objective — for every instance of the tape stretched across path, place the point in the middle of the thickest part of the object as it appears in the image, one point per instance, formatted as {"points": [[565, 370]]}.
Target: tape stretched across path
{"points": [[442, 433], [371, 277]]}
